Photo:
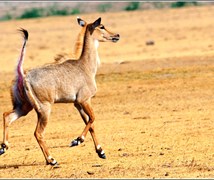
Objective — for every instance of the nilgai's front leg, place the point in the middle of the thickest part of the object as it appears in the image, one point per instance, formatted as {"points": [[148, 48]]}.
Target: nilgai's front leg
{"points": [[85, 118], [43, 115]]}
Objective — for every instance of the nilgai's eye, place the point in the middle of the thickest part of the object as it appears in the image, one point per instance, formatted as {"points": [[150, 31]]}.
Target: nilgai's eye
{"points": [[102, 27]]}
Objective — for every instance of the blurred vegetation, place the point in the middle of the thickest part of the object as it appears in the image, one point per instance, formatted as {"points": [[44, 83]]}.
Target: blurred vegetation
{"points": [[58, 9], [42, 12], [132, 6], [180, 4], [31, 13], [55, 11], [6, 17], [104, 7]]}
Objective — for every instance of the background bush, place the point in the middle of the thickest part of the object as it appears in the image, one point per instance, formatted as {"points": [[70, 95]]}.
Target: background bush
{"points": [[104, 7], [31, 13], [44, 12], [64, 9], [133, 6], [180, 4], [6, 17]]}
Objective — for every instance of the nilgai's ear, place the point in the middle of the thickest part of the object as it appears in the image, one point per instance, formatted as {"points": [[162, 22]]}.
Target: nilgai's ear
{"points": [[81, 22], [96, 23]]}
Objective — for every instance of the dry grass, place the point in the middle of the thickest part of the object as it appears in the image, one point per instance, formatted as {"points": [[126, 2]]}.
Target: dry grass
{"points": [[154, 116]]}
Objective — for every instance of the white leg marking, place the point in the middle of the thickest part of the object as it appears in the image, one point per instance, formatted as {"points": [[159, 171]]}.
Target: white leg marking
{"points": [[54, 161], [102, 152], [51, 158], [82, 137], [82, 112], [12, 117]]}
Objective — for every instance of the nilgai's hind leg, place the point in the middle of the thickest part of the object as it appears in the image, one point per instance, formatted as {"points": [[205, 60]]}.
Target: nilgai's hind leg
{"points": [[80, 139], [8, 118], [43, 115]]}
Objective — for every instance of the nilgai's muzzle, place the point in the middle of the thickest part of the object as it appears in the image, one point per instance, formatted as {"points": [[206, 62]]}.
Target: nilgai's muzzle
{"points": [[116, 38]]}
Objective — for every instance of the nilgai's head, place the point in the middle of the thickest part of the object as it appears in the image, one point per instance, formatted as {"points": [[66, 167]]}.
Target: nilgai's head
{"points": [[98, 31]]}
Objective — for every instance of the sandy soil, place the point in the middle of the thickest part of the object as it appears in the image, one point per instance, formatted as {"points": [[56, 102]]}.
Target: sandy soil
{"points": [[154, 105]]}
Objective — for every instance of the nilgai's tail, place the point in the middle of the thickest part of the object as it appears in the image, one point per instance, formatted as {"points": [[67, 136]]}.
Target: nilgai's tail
{"points": [[18, 84], [19, 69]]}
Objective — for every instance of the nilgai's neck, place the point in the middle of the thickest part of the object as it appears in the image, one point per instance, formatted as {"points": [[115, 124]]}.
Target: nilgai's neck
{"points": [[79, 43], [89, 56]]}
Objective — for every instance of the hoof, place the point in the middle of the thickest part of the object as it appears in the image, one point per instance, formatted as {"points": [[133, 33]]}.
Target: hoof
{"points": [[101, 154], [53, 163], [76, 142], [2, 151]]}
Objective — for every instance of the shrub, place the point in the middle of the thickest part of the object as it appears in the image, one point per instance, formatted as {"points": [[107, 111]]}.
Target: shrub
{"points": [[180, 4], [52, 11], [61, 12], [75, 11], [104, 7], [133, 6], [32, 13], [6, 17]]}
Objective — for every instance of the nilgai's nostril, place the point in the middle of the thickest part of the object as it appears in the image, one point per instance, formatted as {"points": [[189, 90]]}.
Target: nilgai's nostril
{"points": [[116, 37]]}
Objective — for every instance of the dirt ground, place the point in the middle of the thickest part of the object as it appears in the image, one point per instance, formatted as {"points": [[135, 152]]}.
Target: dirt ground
{"points": [[154, 106]]}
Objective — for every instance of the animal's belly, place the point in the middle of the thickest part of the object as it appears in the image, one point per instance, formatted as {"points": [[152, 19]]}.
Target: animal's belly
{"points": [[65, 99]]}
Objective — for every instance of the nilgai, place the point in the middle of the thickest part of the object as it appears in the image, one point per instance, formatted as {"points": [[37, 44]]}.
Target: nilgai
{"points": [[70, 81]]}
